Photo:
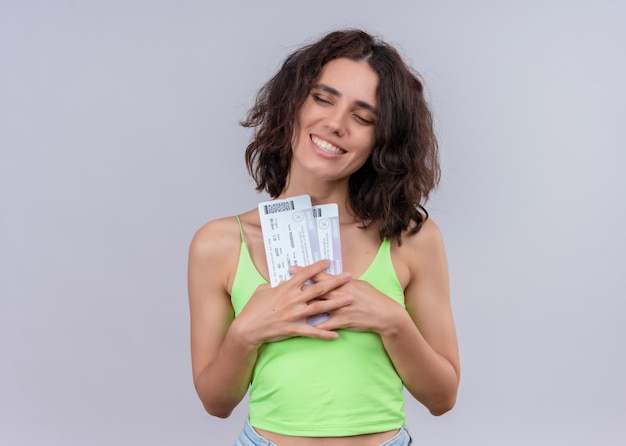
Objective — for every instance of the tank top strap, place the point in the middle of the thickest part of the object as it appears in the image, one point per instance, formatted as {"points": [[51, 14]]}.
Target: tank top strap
{"points": [[240, 228]]}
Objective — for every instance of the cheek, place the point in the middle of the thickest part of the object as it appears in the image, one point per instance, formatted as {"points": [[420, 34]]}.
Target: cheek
{"points": [[366, 150], [369, 142]]}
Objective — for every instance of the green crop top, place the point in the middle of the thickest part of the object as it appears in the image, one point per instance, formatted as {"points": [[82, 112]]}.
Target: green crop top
{"points": [[317, 388]]}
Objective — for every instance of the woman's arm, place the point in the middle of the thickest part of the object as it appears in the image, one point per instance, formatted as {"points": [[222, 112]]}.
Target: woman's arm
{"points": [[423, 346], [221, 366]]}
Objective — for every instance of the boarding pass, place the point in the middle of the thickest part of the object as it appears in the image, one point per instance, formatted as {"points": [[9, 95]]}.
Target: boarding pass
{"points": [[296, 233], [327, 222]]}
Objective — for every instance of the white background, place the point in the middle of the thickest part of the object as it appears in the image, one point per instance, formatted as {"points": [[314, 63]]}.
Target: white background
{"points": [[119, 137]]}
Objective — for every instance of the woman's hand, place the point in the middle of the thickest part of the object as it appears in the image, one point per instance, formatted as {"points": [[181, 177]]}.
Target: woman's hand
{"points": [[370, 309], [273, 314]]}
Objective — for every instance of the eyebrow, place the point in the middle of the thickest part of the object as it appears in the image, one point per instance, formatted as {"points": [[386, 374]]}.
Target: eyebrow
{"points": [[337, 93]]}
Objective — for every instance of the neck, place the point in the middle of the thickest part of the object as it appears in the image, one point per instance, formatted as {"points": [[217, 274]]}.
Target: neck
{"points": [[321, 192]]}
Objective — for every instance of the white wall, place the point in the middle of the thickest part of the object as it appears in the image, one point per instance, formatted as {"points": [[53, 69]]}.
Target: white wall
{"points": [[119, 137]]}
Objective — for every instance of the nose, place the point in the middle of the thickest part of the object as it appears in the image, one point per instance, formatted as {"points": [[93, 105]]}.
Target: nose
{"points": [[337, 121]]}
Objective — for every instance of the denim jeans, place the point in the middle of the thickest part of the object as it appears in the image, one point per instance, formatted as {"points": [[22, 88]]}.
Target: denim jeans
{"points": [[250, 437]]}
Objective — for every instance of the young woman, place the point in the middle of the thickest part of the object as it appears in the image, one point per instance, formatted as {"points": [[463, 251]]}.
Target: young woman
{"points": [[344, 121]]}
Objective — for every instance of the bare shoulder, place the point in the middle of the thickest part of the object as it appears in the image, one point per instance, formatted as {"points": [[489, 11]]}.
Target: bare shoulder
{"points": [[214, 249], [420, 252], [214, 234], [215, 238], [427, 240]]}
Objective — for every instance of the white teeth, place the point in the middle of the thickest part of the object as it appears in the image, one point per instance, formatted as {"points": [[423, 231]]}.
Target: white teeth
{"points": [[327, 147]]}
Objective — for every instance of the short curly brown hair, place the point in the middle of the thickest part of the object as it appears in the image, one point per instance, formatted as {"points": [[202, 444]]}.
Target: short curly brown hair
{"points": [[388, 192]]}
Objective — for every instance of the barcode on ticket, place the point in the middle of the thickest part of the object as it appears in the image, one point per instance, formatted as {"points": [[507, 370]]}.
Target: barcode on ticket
{"points": [[282, 206]]}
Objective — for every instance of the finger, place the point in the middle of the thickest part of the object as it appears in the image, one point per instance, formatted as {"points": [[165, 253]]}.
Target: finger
{"points": [[295, 269], [302, 274], [319, 334], [323, 287], [337, 301], [321, 276], [332, 323], [316, 278]]}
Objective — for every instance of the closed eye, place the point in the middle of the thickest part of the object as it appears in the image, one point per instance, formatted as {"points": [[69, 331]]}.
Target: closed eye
{"points": [[362, 120], [321, 100]]}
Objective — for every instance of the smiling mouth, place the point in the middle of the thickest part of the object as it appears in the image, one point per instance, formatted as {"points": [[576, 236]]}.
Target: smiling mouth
{"points": [[327, 147]]}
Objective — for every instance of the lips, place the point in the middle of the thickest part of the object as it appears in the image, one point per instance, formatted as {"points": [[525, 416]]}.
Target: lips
{"points": [[327, 147]]}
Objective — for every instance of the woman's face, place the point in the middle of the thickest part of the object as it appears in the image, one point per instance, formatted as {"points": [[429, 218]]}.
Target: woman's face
{"points": [[336, 127]]}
